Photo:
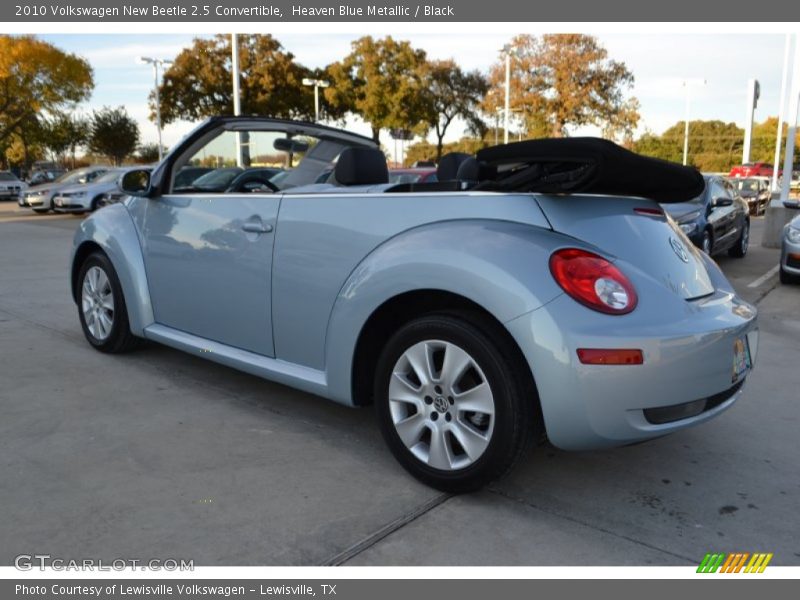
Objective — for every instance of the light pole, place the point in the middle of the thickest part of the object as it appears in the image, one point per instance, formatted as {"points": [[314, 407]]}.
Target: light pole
{"points": [[781, 107], [686, 123], [317, 83], [145, 60], [508, 51]]}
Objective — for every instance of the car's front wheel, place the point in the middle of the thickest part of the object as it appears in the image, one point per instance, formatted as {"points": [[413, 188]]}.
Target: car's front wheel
{"points": [[739, 250], [101, 307], [452, 402]]}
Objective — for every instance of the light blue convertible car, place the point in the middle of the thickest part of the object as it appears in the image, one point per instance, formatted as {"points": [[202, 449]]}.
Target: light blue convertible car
{"points": [[536, 288]]}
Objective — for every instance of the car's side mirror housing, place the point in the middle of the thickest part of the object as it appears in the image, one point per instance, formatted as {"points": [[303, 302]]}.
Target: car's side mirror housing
{"points": [[136, 182], [721, 201]]}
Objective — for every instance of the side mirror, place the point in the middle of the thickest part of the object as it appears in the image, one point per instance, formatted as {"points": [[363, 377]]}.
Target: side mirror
{"points": [[135, 183], [721, 201]]}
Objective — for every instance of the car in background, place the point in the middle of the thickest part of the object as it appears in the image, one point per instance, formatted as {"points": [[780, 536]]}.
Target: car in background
{"points": [[790, 251], [187, 175], [11, 187], [752, 169], [413, 175], [718, 220], [88, 196], [756, 191], [41, 197]]}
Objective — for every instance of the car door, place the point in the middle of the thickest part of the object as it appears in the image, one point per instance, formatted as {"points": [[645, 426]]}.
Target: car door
{"points": [[722, 218], [208, 255]]}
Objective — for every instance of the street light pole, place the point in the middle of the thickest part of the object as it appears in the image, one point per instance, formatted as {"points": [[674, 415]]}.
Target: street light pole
{"points": [[508, 94], [237, 100], [791, 121], [686, 124], [317, 83], [781, 108], [156, 62]]}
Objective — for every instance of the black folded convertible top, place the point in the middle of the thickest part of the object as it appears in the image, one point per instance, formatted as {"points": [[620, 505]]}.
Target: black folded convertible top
{"points": [[586, 165]]}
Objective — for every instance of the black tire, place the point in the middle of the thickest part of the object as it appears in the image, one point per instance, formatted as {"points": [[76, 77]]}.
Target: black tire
{"points": [[707, 243], [516, 420], [119, 339], [739, 249], [95, 203], [41, 211]]}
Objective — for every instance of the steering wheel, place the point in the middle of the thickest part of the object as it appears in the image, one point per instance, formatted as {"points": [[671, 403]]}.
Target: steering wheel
{"points": [[240, 186]]}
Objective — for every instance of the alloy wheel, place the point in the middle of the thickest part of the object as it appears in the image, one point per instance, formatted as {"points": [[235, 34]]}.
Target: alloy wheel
{"points": [[441, 405], [97, 303]]}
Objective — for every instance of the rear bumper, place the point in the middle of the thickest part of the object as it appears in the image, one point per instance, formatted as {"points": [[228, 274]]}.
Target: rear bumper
{"points": [[686, 361]]}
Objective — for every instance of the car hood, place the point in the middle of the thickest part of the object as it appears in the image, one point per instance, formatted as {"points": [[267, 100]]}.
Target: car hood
{"points": [[89, 188], [52, 186]]}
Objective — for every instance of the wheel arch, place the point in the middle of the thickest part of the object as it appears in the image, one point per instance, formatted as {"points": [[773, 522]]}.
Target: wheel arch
{"points": [[113, 232], [405, 307]]}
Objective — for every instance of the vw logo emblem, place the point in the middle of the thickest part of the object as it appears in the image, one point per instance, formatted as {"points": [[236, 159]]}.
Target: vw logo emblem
{"points": [[441, 404], [679, 249]]}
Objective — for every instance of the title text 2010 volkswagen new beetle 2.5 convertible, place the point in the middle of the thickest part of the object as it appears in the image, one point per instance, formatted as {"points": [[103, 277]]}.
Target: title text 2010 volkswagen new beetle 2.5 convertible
{"points": [[536, 287]]}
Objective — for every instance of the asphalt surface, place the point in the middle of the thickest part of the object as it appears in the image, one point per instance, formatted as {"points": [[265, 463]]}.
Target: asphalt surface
{"points": [[158, 454]]}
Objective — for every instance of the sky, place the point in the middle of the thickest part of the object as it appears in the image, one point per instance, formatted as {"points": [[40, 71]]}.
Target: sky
{"points": [[660, 64]]}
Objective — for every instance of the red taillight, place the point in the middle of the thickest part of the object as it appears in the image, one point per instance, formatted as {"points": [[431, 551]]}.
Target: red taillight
{"points": [[602, 356], [650, 212], [593, 281]]}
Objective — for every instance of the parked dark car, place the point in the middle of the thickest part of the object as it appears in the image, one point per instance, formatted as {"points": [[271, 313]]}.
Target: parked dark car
{"points": [[755, 191], [717, 220], [187, 175]]}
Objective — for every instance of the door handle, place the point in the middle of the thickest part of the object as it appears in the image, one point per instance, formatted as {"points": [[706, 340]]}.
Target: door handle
{"points": [[256, 227]]}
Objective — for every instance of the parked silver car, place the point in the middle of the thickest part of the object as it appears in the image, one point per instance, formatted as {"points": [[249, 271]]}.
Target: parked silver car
{"points": [[41, 197], [11, 187], [89, 196], [532, 288], [790, 252]]}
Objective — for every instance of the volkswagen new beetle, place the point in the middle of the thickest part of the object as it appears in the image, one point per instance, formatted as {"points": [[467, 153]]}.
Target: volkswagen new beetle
{"points": [[537, 287]]}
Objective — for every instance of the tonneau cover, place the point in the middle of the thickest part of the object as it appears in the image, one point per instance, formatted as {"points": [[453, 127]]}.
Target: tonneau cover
{"points": [[586, 165]]}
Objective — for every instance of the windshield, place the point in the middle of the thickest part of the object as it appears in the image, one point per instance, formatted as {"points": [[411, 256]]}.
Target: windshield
{"points": [[108, 177], [6, 176], [747, 185], [72, 176]]}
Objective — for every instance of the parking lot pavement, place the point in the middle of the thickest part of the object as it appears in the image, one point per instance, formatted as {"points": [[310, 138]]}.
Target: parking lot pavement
{"points": [[158, 454]]}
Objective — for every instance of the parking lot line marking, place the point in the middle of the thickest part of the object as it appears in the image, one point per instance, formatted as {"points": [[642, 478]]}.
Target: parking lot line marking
{"points": [[764, 277]]}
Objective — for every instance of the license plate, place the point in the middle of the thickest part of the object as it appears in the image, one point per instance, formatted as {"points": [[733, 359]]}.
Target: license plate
{"points": [[741, 359]]}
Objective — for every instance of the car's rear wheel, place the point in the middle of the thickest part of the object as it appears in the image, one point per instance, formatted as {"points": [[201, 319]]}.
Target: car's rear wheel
{"points": [[453, 408], [101, 308], [739, 250]]}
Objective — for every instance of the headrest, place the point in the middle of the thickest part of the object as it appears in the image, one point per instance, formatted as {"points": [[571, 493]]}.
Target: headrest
{"points": [[448, 165], [474, 170], [361, 166]]}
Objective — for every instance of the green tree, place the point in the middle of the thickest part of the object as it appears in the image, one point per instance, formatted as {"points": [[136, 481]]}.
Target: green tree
{"points": [[452, 93], [198, 83], [564, 80], [147, 153], [37, 78], [113, 134], [714, 146], [382, 81], [63, 133]]}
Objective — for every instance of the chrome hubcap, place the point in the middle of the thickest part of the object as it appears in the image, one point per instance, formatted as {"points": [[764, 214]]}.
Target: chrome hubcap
{"points": [[97, 303], [441, 405]]}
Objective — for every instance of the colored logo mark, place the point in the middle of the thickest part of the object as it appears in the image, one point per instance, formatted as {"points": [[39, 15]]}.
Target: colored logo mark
{"points": [[735, 562]]}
